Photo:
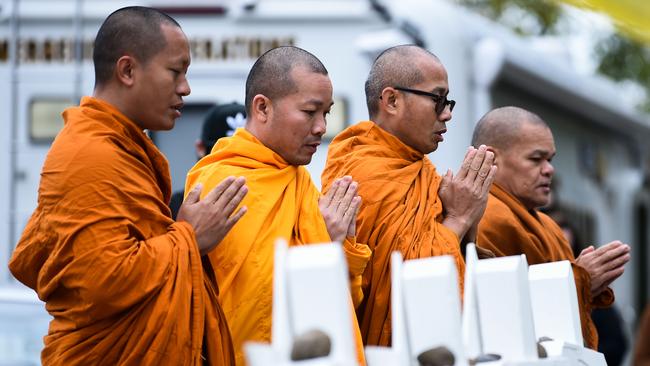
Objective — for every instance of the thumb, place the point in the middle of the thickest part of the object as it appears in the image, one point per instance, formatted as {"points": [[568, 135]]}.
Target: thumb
{"points": [[446, 179], [194, 195]]}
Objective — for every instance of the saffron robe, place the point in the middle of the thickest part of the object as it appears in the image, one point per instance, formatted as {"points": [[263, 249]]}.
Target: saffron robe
{"points": [[400, 210], [282, 202], [508, 228], [123, 282], [641, 355]]}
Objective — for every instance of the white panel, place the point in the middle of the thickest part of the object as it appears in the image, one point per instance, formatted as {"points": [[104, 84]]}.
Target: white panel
{"points": [[471, 331], [319, 296], [432, 305], [555, 302], [504, 307]]}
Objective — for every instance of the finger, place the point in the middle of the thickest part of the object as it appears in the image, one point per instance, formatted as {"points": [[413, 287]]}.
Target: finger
{"points": [[194, 195], [464, 167], [587, 250], [230, 193], [611, 276], [340, 192], [216, 192], [346, 201], [487, 183], [353, 209], [487, 164], [326, 200], [232, 220], [613, 252], [476, 163], [446, 180], [227, 207], [617, 262]]}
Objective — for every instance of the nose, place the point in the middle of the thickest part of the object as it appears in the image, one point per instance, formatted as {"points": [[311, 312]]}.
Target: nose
{"points": [[320, 126], [547, 169], [445, 116], [183, 88]]}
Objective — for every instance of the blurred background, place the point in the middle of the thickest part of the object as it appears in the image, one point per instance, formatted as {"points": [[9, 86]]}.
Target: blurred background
{"points": [[582, 65]]}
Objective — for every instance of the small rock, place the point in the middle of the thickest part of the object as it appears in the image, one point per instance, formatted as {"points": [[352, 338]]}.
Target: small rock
{"points": [[439, 356], [311, 344]]}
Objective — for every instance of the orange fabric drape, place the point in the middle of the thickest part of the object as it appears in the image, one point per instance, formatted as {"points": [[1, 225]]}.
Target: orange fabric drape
{"points": [[282, 202], [508, 228], [123, 281], [400, 210], [641, 355]]}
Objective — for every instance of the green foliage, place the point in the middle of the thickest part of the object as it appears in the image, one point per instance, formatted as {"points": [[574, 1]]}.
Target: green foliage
{"points": [[619, 57], [622, 59], [544, 14]]}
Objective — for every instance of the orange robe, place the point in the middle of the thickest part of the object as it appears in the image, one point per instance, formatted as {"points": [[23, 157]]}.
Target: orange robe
{"points": [[123, 282], [400, 210], [641, 355], [282, 202], [507, 228]]}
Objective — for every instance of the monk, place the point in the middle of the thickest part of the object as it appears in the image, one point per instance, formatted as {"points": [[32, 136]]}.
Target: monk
{"points": [[523, 148], [288, 95], [124, 283], [407, 206]]}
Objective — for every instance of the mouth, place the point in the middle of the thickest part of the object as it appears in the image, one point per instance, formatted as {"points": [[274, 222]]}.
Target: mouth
{"points": [[312, 147], [546, 187], [439, 134], [177, 108]]}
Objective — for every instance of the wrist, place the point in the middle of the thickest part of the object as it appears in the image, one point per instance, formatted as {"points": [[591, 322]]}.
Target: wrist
{"points": [[458, 225]]}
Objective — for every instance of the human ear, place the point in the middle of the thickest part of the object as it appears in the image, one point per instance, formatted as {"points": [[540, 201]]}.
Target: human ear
{"points": [[261, 107], [495, 152], [389, 100], [125, 70]]}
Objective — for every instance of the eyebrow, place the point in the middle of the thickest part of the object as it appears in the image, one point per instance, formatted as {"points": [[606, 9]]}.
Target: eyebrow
{"points": [[441, 91], [318, 102], [543, 152]]}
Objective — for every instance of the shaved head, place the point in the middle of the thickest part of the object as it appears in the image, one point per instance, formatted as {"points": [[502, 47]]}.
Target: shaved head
{"points": [[271, 73], [501, 126], [134, 31], [396, 66]]}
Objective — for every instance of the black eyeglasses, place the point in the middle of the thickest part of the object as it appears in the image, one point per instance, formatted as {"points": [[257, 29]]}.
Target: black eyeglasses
{"points": [[441, 100]]}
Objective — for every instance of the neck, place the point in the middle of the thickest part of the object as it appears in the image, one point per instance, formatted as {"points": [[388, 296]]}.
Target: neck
{"points": [[115, 98]]}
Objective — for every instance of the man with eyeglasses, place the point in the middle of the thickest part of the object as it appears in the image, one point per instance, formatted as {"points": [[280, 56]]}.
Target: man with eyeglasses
{"points": [[406, 204]]}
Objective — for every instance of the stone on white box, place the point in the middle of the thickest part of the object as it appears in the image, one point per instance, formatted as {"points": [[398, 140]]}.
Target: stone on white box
{"points": [[432, 305], [319, 297], [555, 302], [310, 292], [507, 326]]}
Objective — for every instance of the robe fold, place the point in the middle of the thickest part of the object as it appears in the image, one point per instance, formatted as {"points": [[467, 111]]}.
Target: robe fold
{"points": [[400, 210], [124, 283], [282, 202], [508, 228]]}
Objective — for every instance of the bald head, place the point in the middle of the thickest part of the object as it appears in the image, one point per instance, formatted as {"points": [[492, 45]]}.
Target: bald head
{"points": [[501, 126], [134, 31], [396, 66], [271, 73]]}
